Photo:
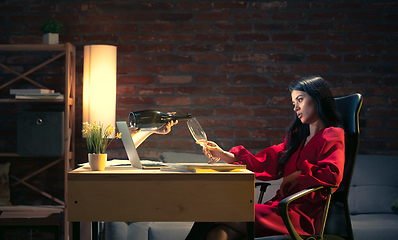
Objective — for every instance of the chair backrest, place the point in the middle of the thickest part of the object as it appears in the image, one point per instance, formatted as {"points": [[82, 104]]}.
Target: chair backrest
{"points": [[349, 107], [338, 221]]}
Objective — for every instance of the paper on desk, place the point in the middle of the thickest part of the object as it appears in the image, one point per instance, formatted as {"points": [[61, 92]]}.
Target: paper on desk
{"points": [[205, 167], [176, 168], [109, 163], [122, 162]]}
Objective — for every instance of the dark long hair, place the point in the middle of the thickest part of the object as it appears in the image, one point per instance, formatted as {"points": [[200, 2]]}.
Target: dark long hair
{"points": [[319, 91]]}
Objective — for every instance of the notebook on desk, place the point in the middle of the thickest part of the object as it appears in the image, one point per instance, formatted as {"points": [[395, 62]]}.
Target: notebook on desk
{"points": [[131, 151]]}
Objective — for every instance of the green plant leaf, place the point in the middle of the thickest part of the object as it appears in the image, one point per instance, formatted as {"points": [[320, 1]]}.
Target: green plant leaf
{"points": [[51, 26]]}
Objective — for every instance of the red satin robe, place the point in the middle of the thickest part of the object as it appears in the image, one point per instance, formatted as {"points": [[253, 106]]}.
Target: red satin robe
{"points": [[321, 162]]}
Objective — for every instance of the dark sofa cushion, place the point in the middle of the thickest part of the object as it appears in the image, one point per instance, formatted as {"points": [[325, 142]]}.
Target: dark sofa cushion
{"points": [[375, 226], [374, 184], [372, 199]]}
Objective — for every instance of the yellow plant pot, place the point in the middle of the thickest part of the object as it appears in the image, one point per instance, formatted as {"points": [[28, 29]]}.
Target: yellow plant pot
{"points": [[97, 161]]}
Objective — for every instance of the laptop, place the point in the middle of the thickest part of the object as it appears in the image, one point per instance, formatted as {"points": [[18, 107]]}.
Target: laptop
{"points": [[131, 151]]}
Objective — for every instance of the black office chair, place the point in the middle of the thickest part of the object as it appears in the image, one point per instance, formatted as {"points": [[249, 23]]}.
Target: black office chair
{"points": [[338, 224]]}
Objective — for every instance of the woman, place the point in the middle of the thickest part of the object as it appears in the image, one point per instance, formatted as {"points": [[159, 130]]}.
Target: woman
{"points": [[311, 155]]}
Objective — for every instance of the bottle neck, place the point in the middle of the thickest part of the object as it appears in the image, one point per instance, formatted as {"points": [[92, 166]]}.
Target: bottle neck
{"points": [[176, 117]]}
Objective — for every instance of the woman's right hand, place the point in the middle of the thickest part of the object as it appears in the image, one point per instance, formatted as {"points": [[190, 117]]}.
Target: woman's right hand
{"points": [[215, 153]]}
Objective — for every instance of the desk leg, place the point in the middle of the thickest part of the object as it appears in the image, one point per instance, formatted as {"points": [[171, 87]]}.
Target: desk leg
{"points": [[250, 231], [95, 230], [76, 230]]}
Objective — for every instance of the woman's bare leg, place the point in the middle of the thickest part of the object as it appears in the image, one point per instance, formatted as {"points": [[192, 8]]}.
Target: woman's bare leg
{"points": [[227, 231]]}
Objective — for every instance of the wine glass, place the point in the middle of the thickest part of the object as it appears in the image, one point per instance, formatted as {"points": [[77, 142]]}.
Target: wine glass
{"points": [[199, 135]]}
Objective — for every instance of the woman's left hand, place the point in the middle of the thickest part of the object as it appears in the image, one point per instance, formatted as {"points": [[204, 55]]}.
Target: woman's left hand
{"points": [[289, 181]]}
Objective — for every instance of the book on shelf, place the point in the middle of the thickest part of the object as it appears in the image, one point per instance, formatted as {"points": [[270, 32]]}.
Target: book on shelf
{"points": [[54, 96], [31, 90]]}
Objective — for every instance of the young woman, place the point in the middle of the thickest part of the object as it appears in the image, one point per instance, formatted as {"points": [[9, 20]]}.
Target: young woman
{"points": [[312, 154]]}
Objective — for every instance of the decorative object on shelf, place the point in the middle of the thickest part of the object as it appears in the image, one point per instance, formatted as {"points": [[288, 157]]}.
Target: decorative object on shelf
{"points": [[40, 133], [99, 84], [51, 29], [97, 137]]}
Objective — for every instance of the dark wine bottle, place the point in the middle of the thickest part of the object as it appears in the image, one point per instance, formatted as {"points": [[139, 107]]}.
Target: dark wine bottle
{"points": [[147, 120]]}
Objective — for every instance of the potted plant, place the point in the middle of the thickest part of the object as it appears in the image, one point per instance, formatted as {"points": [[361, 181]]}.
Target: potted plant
{"points": [[51, 29], [98, 139]]}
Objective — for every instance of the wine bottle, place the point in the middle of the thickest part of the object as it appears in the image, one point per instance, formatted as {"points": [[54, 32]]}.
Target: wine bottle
{"points": [[148, 120]]}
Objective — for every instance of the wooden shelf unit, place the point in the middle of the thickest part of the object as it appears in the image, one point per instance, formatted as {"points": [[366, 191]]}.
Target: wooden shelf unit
{"points": [[69, 51]]}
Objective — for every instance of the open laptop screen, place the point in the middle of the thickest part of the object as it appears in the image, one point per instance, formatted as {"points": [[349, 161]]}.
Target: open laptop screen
{"points": [[131, 151]]}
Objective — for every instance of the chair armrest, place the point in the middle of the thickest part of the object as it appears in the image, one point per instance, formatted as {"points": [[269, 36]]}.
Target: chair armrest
{"points": [[283, 208], [263, 188]]}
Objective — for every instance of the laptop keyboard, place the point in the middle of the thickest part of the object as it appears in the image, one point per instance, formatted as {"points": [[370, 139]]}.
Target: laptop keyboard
{"points": [[149, 163]]}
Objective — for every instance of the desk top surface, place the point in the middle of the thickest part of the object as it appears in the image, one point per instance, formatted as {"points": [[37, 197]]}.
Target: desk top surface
{"points": [[129, 173]]}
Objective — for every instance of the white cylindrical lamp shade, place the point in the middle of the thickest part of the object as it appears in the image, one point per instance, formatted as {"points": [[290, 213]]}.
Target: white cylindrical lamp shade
{"points": [[99, 84]]}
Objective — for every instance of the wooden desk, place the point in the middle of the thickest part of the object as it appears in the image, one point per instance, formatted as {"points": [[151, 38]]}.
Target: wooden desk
{"points": [[125, 194]]}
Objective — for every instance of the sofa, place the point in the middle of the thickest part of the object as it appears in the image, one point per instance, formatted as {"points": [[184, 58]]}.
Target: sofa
{"points": [[374, 188]]}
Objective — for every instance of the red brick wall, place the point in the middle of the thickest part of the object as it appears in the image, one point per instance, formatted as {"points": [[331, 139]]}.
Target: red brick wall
{"points": [[229, 63]]}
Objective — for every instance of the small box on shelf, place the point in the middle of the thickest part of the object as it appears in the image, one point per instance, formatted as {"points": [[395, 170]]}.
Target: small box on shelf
{"points": [[40, 133]]}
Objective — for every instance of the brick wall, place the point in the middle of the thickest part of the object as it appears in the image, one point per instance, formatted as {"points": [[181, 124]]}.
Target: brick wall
{"points": [[229, 63]]}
